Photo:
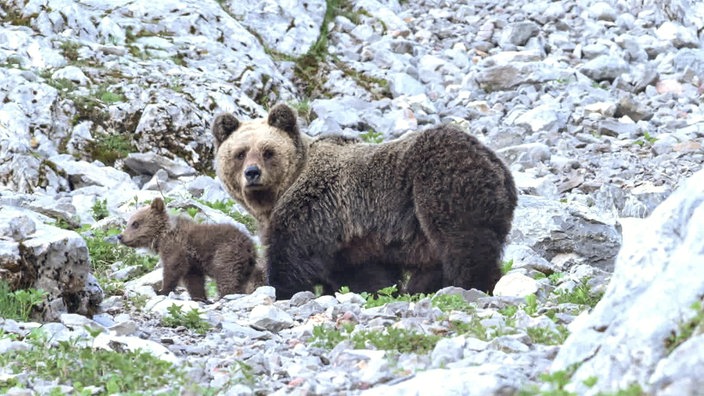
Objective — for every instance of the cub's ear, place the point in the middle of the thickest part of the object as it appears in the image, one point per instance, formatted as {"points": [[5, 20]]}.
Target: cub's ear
{"points": [[283, 117], [158, 204], [223, 126]]}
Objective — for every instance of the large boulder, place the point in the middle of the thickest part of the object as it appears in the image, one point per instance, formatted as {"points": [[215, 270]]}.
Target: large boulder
{"points": [[647, 329], [37, 255]]}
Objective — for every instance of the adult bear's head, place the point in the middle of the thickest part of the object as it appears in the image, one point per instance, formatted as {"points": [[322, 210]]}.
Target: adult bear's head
{"points": [[258, 160]]}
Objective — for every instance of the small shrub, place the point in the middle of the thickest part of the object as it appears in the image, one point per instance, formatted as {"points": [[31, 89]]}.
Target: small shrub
{"points": [[108, 148], [70, 50], [18, 304], [190, 319]]}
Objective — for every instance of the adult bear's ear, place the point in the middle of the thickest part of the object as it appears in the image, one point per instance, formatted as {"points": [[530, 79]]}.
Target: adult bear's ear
{"points": [[283, 117], [223, 126]]}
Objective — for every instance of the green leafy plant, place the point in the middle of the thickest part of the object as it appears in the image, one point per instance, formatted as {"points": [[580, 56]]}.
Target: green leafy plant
{"points": [[18, 304], [371, 136], [581, 294], [506, 266], [387, 295], [131, 372], [531, 307], [647, 139], [100, 209], [390, 338], [190, 319], [452, 302], [548, 336]]}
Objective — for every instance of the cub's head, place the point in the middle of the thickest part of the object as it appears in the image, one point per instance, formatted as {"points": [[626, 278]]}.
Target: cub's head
{"points": [[145, 226], [258, 160]]}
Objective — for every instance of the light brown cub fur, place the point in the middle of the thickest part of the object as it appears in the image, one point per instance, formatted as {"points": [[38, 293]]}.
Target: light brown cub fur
{"points": [[190, 251]]}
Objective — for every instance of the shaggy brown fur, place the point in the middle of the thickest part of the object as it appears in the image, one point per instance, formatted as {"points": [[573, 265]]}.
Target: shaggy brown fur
{"points": [[190, 251], [437, 204]]}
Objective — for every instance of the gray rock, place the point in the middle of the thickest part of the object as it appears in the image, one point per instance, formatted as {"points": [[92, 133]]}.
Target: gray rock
{"points": [[518, 33], [268, 317], [604, 68], [550, 228], [150, 163], [624, 340]]}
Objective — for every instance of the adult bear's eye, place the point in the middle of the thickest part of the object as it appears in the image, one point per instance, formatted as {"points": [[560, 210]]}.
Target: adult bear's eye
{"points": [[268, 154], [135, 224], [240, 155]]}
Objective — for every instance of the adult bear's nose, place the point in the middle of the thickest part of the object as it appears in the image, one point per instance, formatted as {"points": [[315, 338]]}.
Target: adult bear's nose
{"points": [[252, 173]]}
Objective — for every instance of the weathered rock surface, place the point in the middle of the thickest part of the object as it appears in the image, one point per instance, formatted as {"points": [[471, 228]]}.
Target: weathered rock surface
{"points": [[628, 339]]}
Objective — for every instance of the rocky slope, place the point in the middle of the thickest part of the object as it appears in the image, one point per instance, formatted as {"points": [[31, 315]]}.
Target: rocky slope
{"points": [[597, 107]]}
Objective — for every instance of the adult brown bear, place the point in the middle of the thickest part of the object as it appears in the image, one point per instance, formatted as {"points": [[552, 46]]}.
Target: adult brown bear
{"points": [[435, 204]]}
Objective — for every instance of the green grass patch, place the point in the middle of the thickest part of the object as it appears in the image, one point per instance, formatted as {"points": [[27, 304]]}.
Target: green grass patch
{"points": [[111, 372], [18, 304], [388, 339], [190, 320], [547, 336]]}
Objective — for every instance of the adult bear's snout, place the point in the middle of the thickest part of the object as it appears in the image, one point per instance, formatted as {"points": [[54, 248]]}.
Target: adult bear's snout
{"points": [[252, 173]]}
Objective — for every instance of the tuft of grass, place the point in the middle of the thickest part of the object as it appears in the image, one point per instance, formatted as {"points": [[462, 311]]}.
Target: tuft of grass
{"points": [[388, 339], [686, 329], [18, 304], [190, 319], [131, 372], [580, 294], [105, 95]]}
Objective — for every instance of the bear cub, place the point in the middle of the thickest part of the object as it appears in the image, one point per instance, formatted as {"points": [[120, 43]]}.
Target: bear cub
{"points": [[189, 251]]}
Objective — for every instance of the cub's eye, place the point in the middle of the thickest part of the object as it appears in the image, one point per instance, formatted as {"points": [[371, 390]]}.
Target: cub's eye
{"points": [[135, 224], [240, 155], [268, 154]]}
